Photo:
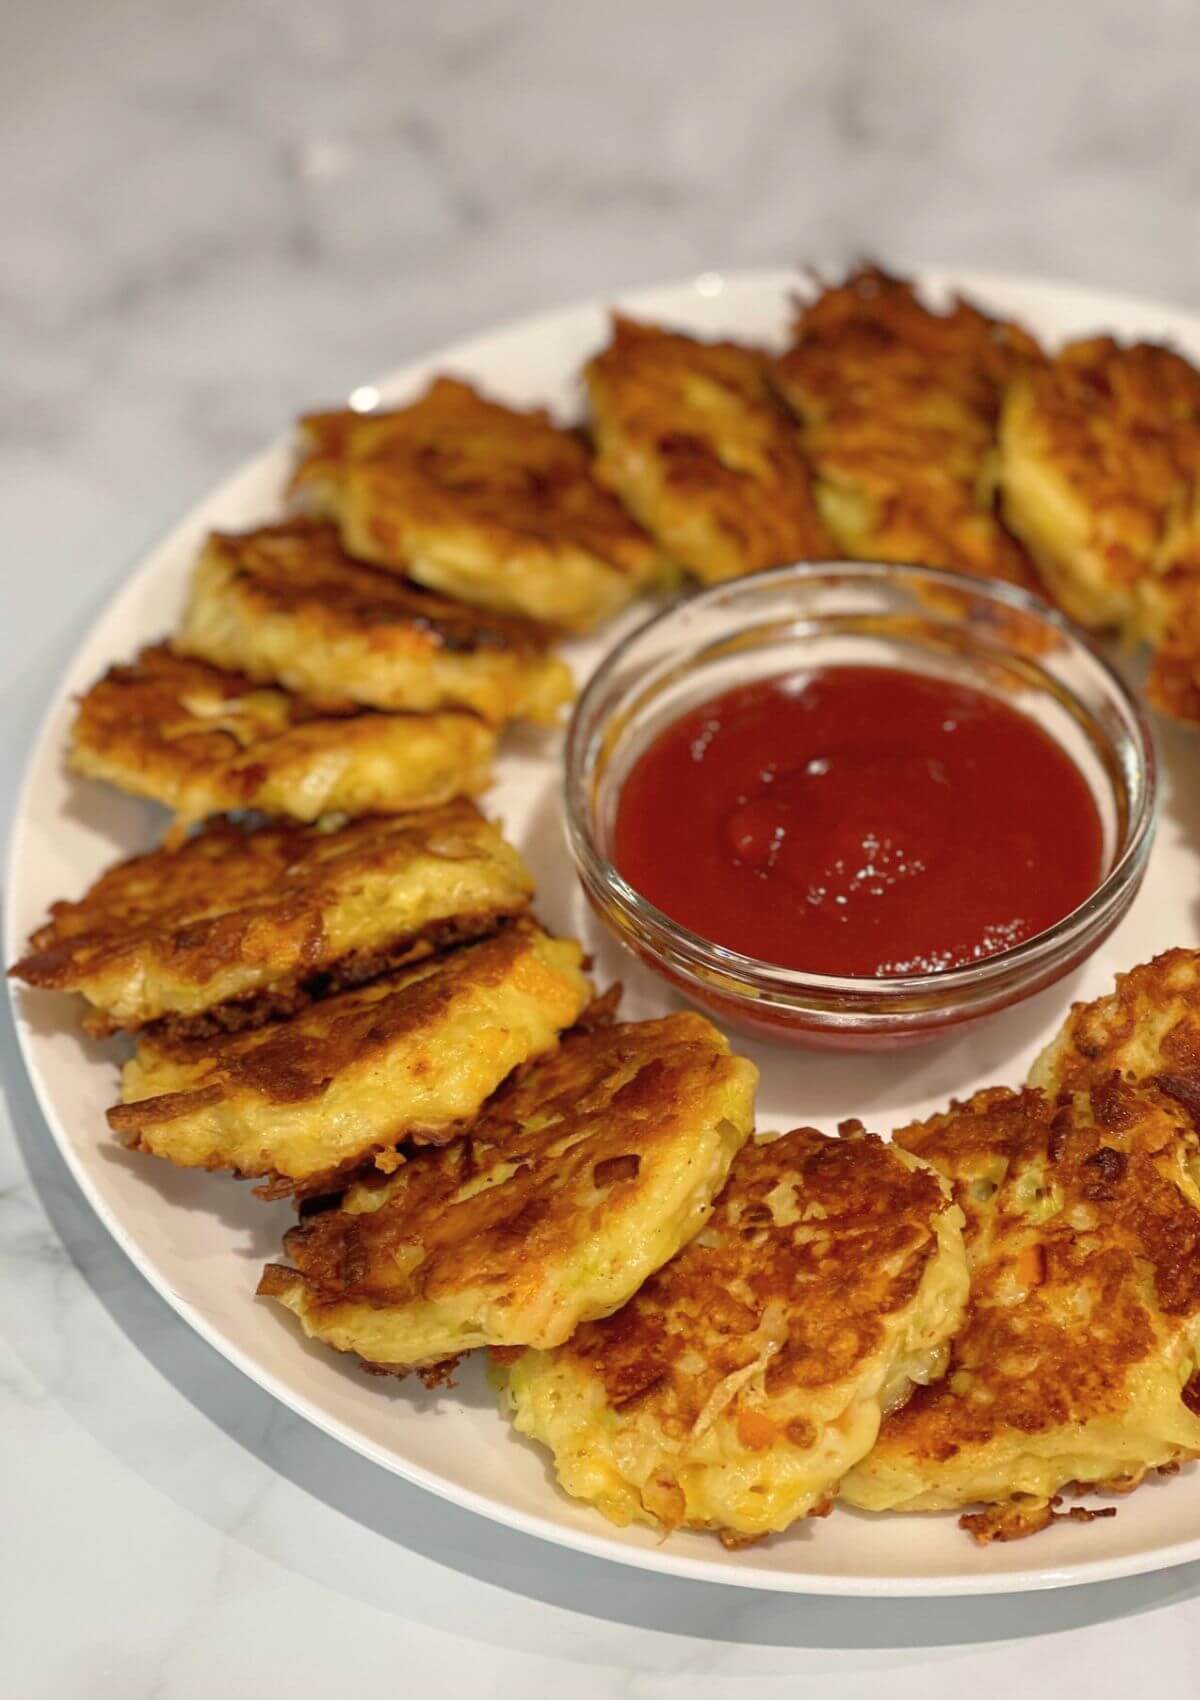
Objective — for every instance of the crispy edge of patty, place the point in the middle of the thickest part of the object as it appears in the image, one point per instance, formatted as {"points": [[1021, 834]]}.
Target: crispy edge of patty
{"points": [[1146, 1029]]}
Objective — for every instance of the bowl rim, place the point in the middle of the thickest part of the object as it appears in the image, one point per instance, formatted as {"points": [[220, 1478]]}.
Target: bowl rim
{"points": [[597, 871]]}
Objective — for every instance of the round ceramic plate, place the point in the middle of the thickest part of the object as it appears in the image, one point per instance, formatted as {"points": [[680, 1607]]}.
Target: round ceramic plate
{"points": [[201, 1239]]}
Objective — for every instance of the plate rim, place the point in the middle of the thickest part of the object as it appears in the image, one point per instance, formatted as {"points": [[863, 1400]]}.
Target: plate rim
{"points": [[199, 515]]}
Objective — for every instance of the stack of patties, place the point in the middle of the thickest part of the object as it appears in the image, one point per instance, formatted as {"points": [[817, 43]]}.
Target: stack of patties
{"points": [[691, 438], [898, 409], [362, 662], [583, 1175], [337, 963], [1076, 1365], [287, 605], [736, 1389], [304, 998], [206, 741], [476, 500], [244, 922], [304, 684], [1100, 469], [412, 1055]]}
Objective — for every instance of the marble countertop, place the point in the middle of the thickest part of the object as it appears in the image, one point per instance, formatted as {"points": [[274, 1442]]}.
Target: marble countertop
{"points": [[217, 214]]}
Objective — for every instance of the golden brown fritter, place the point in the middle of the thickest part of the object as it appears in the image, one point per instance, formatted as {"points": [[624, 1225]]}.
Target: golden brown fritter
{"points": [[693, 441], [584, 1174], [1100, 469], [409, 1056], [898, 409], [1146, 1029], [241, 924], [477, 500], [285, 604], [738, 1386], [204, 742], [1077, 1359]]}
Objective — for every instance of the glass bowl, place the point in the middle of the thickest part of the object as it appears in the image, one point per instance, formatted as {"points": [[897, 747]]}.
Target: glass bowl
{"points": [[989, 636]]}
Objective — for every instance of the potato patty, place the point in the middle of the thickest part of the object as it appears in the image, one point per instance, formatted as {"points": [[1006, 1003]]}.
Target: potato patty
{"points": [[286, 605], [491, 503], [1100, 469], [203, 742], [898, 409], [695, 444], [408, 1056], [1146, 1029], [739, 1385], [584, 1174], [1076, 1362], [239, 923]]}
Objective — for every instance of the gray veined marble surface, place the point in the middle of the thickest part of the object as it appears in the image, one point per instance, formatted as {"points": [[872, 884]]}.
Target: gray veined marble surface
{"points": [[216, 213]]}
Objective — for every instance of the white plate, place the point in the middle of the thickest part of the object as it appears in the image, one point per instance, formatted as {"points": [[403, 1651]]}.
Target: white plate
{"points": [[201, 1239]]}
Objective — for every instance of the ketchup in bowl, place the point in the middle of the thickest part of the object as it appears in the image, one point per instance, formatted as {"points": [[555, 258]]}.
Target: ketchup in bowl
{"points": [[859, 821]]}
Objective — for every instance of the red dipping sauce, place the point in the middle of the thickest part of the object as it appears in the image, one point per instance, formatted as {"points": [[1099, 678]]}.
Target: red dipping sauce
{"points": [[859, 821]]}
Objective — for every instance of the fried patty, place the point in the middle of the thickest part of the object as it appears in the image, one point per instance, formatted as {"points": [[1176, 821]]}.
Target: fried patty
{"points": [[739, 1385], [1076, 1362], [204, 742], [409, 1056], [1172, 615], [286, 605], [477, 500], [898, 409], [1100, 470], [239, 924], [585, 1173], [1146, 1029], [695, 444]]}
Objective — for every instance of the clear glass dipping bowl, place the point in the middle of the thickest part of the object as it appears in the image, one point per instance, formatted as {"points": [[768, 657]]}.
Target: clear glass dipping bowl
{"points": [[989, 636]]}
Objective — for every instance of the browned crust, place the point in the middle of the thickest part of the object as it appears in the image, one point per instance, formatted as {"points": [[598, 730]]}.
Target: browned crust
{"points": [[1148, 1027], [327, 1187], [294, 1062], [128, 1120], [1173, 686], [281, 1002], [1114, 431], [1016, 1519], [291, 1062], [148, 692], [1120, 427]]}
